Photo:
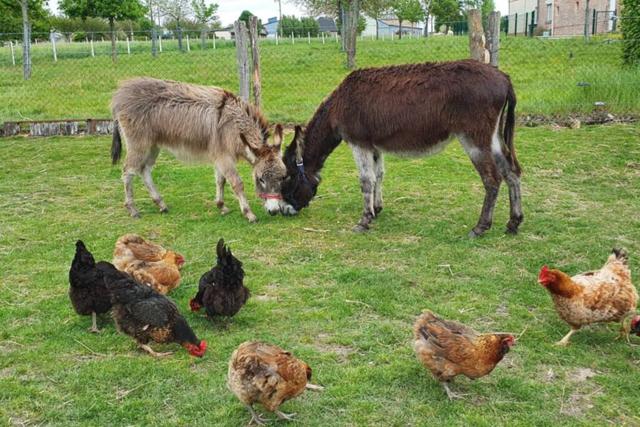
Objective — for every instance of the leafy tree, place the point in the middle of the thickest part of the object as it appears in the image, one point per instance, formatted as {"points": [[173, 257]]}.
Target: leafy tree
{"points": [[246, 16], [178, 11], [631, 32], [446, 12], [407, 10], [11, 17], [110, 10], [203, 13], [376, 9], [298, 27]]}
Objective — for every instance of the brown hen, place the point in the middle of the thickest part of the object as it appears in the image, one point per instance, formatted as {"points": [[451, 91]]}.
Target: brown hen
{"points": [[605, 295], [449, 349], [148, 263], [266, 374]]}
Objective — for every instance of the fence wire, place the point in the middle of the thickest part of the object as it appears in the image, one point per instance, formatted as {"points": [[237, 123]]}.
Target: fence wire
{"points": [[74, 77]]}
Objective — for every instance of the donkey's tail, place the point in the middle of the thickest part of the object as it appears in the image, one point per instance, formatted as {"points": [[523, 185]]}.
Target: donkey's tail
{"points": [[509, 128], [116, 144]]}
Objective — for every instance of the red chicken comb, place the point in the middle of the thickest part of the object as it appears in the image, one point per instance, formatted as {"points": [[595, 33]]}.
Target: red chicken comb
{"points": [[194, 305]]}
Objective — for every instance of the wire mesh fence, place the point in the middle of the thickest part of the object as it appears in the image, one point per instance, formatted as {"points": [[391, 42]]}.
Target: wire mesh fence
{"points": [[74, 79]]}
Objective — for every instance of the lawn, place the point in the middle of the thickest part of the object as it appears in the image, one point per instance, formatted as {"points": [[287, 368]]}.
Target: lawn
{"points": [[344, 303], [551, 77]]}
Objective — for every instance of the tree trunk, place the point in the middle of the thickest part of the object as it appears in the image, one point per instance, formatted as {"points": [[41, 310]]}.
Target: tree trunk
{"points": [[426, 25], [352, 33], [377, 29], [203, 39], [343, 26], [26, 40], [154, 40], [179, 31], [112, 29], [400, 30]]}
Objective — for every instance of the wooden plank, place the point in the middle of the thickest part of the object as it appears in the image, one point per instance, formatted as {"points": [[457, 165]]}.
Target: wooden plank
{"points": [[476, 37], [242, 59], [255, 54], [493, 37]]}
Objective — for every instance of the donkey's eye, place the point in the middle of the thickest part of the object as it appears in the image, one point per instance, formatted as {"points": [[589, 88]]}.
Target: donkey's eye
{"points": [[261, 181]]}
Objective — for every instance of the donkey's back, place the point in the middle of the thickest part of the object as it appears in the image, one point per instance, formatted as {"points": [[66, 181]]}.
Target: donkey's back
{"points": [[182, 117]]}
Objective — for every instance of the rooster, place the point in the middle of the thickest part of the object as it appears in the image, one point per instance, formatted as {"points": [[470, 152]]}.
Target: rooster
{"points": [[87, 291], [266, 374], [148, 263], [221, 290], [146, 315], [605, 295], [449, 349]]}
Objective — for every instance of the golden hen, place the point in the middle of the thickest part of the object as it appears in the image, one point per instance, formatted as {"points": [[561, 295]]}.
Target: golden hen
{"points": [[265, 373], [148, 263], [449, 349], [605, 295]]}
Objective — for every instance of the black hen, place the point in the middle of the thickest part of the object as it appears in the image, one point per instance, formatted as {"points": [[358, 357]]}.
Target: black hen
{"points": [[221, 291], [87, 291], [146, 315]]}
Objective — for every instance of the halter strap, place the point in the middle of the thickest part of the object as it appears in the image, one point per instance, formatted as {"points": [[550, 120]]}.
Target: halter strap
{"points": [[267, 196], [301, 171]]}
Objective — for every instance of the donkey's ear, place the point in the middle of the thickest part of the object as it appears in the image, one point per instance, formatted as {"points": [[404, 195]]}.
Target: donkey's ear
{"points": [[220, 249], [298, 139], [277, 136]]}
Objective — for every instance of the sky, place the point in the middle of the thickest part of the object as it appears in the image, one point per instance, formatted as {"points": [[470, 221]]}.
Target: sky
{"points": [[229, 10]]}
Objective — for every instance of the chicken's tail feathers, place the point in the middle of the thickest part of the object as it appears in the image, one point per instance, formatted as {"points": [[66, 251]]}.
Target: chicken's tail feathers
{"points": [[621, 255]]}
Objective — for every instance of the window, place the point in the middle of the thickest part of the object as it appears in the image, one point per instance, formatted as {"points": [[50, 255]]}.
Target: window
{"points": [[549, 13]]}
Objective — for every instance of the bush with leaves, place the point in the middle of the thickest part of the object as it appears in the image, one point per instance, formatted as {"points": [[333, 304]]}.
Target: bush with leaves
{"points": [[631, 32]]}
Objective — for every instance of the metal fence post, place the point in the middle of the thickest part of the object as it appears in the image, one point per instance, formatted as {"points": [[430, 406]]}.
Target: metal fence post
{"points": [[240, 30], [154, 41], [188, 45], [515, 26], [13, 55], [594, 24], [53, 47]]}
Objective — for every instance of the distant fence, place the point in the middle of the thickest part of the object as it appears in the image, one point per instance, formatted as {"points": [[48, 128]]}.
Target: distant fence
{"points": [[551, 76]]}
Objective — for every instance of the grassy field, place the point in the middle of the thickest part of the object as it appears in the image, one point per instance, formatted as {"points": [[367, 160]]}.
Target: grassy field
{"points": [[344, 303], [550, 76]]}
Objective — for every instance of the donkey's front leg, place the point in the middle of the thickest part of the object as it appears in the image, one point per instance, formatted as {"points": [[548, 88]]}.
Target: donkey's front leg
{"points": [[231, 175], [379, 170], [220, 181], [366, 165]]}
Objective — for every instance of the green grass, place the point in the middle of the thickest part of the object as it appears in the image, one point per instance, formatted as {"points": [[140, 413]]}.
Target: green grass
{"points": [[344, 303], [297, 77]]}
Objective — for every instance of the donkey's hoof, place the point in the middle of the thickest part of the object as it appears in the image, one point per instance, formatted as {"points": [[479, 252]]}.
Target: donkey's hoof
{"points": [[224, 210], [360, 228], [252, 218], [164, 210], [377, 210], [511, 230], [135, 214], [475, 233]]}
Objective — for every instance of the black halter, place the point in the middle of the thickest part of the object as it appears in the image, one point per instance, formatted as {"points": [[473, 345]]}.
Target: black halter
{"points": [[301, 171]]}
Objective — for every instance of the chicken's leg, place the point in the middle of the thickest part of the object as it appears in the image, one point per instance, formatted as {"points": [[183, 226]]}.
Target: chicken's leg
{"points": [[565, 341], [94, 324], [283, 416], [153, 353], [451, 394], [255, 417]]}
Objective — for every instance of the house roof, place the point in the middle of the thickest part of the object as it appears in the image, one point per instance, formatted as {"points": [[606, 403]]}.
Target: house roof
{"points": [[327, 25], [396, 23]]}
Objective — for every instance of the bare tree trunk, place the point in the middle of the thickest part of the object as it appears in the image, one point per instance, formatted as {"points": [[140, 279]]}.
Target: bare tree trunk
{"points": [[343, 25], [377, 28], [179, 31], [26, 40], [425, 31], [400, 30], [476, 37], [352, 33], [154, 40], [112, 29]]}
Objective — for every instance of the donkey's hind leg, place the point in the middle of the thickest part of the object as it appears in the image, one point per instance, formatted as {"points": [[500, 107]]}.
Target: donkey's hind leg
{"points": [[148, 180], [484, 163], [366, 164], [220, 181], [513, 182], [228, 169], [378, 162]]}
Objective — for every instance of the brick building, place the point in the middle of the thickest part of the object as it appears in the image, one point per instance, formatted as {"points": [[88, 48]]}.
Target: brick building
{"points": [[562, 17]]}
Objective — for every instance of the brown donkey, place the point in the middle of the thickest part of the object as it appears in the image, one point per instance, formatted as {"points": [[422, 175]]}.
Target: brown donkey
{"points": [[195, 123], [412, 110]]}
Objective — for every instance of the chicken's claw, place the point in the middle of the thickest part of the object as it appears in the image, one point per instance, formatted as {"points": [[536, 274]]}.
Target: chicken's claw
{"points": [[283, 416]]}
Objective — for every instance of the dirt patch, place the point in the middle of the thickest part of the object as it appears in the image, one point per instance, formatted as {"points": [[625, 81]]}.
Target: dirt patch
{"points": [[580, 375], [342, 352], [574, 121], [580, 401]]}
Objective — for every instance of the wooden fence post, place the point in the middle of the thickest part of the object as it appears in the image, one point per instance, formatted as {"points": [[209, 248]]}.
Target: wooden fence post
{"points": [[128, 46], [13, 55], [240, 30], [93, 52], [255, 54], [476, 37], [493, 37]]}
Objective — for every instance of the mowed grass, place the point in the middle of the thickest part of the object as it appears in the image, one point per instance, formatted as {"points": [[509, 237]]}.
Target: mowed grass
{"points": [[551, 77], [345, 303]]}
